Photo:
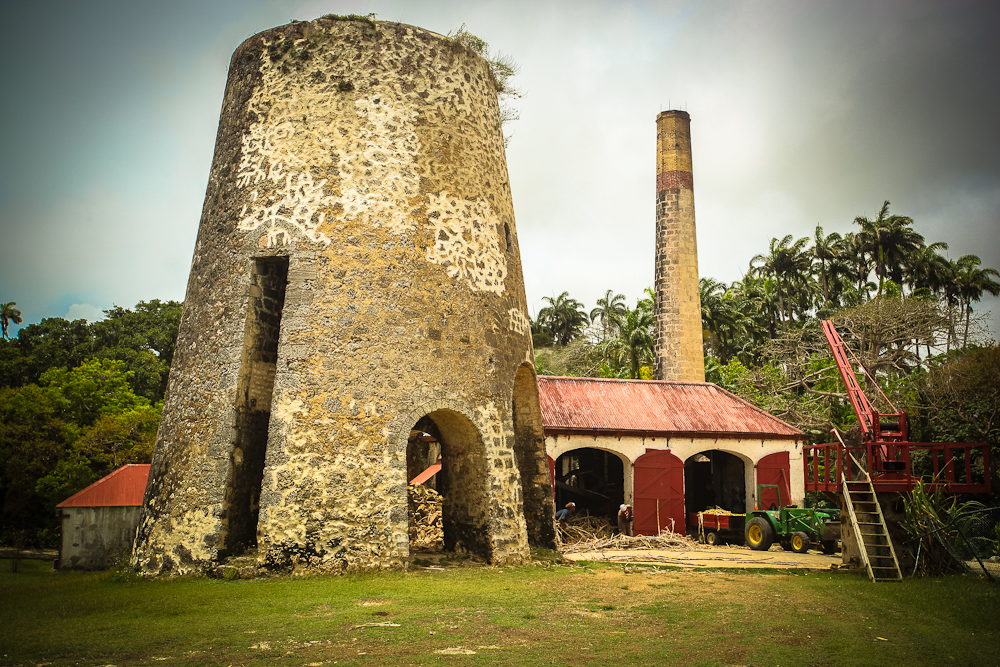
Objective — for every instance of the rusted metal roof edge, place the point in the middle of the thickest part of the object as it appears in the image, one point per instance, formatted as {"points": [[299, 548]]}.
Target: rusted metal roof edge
{"points": [[622, 433], [760, 410], [799, 435]]}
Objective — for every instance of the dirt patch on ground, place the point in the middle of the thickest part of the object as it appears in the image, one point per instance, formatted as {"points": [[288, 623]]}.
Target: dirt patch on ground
{"points": [[704, 556]]}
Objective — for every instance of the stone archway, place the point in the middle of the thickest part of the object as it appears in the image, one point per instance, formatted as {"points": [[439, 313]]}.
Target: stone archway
{"points": [[462, 482]]}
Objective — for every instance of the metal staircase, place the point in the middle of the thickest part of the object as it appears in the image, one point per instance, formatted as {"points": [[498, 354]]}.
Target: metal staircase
{"points": [[868, 525]]}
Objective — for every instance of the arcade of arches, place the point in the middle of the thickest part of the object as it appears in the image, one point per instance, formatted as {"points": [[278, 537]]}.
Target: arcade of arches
{"points": [[678, 477]]}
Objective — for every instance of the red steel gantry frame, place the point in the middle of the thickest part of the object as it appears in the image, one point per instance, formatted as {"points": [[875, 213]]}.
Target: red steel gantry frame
{"points": [[885, 443]]}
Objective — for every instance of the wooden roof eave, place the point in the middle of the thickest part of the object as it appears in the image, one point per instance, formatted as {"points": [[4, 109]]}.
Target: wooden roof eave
{"points": [[625, 433]]}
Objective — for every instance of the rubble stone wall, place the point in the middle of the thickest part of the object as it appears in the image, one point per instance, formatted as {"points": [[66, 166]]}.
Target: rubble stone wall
{"points": [[366, 160]]}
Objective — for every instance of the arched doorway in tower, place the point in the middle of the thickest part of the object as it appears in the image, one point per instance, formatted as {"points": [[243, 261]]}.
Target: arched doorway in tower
{"points": [[460, 481], [713, 479], [594, 479]]}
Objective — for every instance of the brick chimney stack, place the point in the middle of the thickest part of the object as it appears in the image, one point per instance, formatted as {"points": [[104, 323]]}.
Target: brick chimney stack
{"points": [[679, 351]]}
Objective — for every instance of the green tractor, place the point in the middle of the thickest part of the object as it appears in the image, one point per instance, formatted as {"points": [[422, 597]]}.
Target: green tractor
{"points": [[794, 528]]}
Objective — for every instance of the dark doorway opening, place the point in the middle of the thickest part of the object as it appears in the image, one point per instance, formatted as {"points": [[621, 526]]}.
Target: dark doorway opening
{"points": [[593, 479], [460, 482], [714, 479], [253, 408], [425, 517]]}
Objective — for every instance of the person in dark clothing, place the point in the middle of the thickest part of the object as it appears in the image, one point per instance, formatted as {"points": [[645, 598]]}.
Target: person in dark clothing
{"points": [[625, 520]]}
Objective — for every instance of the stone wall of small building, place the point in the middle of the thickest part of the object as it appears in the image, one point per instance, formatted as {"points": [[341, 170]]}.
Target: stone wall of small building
{"points": [[356, 272], [93, 538]]}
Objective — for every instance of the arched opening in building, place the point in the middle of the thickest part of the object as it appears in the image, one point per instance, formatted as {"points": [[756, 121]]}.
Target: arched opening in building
{"points": [[594, 479], [456, 492], [715, 479], [532, 463]]}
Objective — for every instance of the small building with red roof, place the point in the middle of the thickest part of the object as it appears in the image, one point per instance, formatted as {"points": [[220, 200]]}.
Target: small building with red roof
{"points": [[99, 523], [669, 449]]}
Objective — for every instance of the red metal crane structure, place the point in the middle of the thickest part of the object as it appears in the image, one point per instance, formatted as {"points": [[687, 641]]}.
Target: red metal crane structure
{"points": [[886, 453]]}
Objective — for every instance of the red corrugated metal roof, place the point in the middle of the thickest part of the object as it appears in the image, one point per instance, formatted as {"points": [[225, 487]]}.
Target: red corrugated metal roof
{"points": [[653, 408], [122, 488]]}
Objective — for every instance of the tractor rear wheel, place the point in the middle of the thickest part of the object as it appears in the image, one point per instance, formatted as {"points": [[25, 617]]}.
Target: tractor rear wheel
{"points": [[829, 546], [800, 542], [759, 534]]}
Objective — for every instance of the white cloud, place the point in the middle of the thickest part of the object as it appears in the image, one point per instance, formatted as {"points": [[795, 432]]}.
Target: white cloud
{"points": [[84, 311]]}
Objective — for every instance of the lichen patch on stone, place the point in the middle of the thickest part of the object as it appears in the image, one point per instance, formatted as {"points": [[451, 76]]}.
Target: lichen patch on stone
{"points": [[467, 242]]}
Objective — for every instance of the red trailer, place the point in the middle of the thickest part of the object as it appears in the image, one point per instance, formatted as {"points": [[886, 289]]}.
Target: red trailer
{"points": [[717, 528]]}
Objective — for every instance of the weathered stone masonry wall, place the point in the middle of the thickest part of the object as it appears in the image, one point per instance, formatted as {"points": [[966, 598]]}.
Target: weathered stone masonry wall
{"points": [[370, 159]]}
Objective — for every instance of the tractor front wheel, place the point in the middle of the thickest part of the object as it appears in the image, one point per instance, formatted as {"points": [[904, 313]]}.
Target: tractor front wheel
{"points": [[759, 534], [800, 542]]}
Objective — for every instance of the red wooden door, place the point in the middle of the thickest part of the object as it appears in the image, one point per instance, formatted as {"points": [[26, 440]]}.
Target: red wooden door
{"points": [[774, 469], [552, 475], [659, 483]]}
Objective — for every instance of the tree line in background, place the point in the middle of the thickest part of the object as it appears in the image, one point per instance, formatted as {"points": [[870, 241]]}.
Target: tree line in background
{"points": [[904, 308], [77, 401]]}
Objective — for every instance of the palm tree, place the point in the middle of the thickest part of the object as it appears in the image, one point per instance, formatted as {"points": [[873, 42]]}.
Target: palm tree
{"points": [[755, 297], [827, 252], [856, 256], [607, 308], [789, 265], [632, 345], [928, 270], [563, 318], [9, 315], [889, 241], [971, 283], [648, 301], [725, 327]]}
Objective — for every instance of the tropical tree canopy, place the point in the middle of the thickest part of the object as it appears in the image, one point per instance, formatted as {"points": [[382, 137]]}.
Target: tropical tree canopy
{"points": [[563, 318]]}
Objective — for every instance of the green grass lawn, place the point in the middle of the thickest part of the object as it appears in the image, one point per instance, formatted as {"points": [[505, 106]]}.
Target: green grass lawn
{"points": [[556, 615]]}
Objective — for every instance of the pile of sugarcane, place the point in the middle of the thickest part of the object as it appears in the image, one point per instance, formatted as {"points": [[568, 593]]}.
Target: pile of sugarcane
{"points": [[586, 529], [718, 511], [426, 529], [596, 542]]}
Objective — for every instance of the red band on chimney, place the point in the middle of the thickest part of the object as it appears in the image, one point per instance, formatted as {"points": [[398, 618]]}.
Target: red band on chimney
{"points": [[672, 180]]}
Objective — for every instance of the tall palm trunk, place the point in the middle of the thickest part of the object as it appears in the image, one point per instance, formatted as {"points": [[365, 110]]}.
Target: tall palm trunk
{"points": [[968, 313]]}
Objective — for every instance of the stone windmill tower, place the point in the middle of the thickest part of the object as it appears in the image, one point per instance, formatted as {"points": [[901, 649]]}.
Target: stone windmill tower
{"points": [[356, 279]]}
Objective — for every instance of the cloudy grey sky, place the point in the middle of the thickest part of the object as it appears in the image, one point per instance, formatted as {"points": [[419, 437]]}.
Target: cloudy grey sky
{"points": [[803, 113]]}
